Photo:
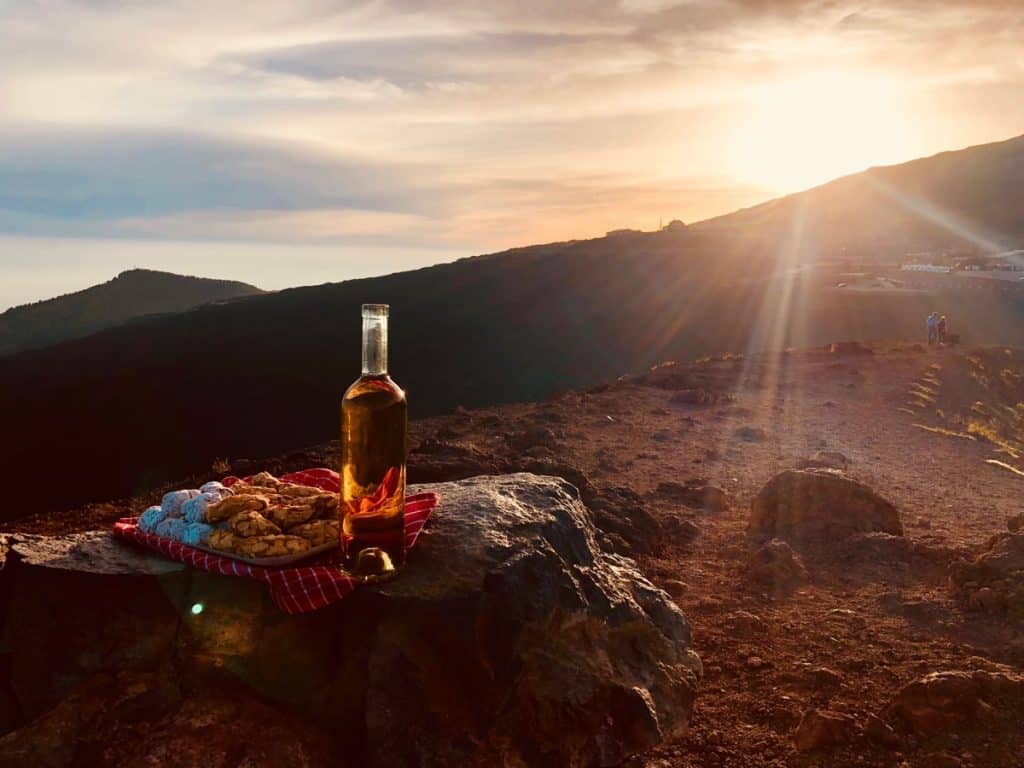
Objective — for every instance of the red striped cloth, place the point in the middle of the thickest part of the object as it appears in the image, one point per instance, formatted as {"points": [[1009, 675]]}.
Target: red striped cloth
{"points": [[294, 590]]}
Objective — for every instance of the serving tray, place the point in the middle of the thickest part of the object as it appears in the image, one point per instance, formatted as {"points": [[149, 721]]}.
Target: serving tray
{"points": [[272, 562]]}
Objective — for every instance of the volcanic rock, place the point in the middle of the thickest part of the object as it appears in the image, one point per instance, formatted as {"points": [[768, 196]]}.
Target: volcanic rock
{"points": [[820, 729], [944, 702], [1015, 523], [510, 639], [680, 529], [621, 511], [819, 506], [878, 547], [746, 624], [751, 434], [879, 731], [994, 581], [531, 437], [697, 494], [775, 568], [825, 460], [435, 461]]}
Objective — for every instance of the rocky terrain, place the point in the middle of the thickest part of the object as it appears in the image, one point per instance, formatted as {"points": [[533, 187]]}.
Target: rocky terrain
{"points": [[844, 538]]}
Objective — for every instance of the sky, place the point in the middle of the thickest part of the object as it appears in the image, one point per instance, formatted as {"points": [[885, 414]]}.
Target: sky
{"points": [[313, 141]]}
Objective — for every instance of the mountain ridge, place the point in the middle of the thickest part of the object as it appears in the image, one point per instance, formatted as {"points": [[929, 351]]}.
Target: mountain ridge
{"points": [[131, 294]]}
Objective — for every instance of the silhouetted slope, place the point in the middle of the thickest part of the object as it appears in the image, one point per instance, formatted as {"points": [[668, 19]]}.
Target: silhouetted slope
{"points": [[160, 398], [968, 199], [131, 294]]}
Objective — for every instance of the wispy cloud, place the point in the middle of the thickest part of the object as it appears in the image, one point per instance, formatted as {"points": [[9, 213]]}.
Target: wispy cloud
{"points": [[458, 123]]}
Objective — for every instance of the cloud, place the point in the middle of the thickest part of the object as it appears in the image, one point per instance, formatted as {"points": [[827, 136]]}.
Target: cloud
{"points": [[434, 60], [453, 124], [85, 174]]}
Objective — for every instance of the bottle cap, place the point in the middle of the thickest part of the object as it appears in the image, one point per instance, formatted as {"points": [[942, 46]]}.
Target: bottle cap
{"points": [[375, 310]]}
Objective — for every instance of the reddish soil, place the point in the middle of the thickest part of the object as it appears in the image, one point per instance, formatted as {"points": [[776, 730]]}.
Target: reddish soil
{"points": [[877, 624]]}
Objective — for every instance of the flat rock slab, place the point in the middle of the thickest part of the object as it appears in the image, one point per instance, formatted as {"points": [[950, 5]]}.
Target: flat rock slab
{"points": [[96, 552], [511, 638]]}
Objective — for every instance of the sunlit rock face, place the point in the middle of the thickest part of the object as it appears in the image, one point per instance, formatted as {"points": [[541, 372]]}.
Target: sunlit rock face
{"points": [[510, 639], [819, 506]]}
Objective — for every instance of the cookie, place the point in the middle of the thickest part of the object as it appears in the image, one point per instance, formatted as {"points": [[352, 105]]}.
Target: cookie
{"points": [[223, 540], [251, 523], [232, 505], [291, 515], [293, 490], [318, 532], [271, 546], [325, 505], [265, 480]]}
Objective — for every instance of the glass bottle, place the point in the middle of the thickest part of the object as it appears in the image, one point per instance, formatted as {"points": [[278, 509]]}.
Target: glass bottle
{"points": [[374, 437]]}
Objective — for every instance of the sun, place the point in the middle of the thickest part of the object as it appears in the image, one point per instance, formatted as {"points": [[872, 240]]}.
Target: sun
{"points": [[802, 132]]}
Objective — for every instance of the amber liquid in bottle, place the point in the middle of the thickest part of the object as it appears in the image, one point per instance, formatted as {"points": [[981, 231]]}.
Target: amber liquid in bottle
{"points": [[374, 430]]}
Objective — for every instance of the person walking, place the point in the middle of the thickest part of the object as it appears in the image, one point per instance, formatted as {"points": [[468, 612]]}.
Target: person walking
{"points": [[933, 328], [941, 328]]}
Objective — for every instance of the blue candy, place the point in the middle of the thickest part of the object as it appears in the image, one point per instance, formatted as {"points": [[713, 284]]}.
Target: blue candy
{"points": [[196, 534], [149, 519], [173, 501]]}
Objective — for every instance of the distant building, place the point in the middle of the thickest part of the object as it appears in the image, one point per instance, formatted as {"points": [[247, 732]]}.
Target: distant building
{"points": [[936, 268]]}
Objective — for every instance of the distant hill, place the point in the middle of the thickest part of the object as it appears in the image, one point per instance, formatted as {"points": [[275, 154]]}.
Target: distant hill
{"points": [[160, 398], [131, 294]]}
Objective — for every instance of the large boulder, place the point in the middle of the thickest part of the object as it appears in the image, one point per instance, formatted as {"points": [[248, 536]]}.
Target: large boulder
{"points": [[818, 506], [510, 639], [948, 702]]}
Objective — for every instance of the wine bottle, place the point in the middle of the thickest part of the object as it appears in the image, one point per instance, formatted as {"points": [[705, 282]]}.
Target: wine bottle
{"points": [[374, 439]]}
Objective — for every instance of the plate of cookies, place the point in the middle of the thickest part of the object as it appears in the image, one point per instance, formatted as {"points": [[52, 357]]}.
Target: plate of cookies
{"points": [[260, 520]]}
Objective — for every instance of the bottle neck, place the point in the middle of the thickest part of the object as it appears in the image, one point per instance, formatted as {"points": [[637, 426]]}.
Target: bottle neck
{"points": [[375, 345]]}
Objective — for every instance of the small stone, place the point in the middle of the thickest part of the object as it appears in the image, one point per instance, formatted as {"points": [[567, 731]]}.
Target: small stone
{"points": [[745, 624], [823, 677], [881, 732], [756, 662], [1015, 523], [750, 434], [821, 729], [776, 568]]}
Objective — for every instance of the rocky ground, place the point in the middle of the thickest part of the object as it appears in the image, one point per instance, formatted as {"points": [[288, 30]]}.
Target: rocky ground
{"points": [[899, 646]]}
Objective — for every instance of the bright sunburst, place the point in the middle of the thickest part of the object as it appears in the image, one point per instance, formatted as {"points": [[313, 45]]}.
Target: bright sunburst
{"points": [[803, 132]]}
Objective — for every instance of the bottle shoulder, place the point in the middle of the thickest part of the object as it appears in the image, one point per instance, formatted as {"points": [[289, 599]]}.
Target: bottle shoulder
{"points": [[378, 386]]}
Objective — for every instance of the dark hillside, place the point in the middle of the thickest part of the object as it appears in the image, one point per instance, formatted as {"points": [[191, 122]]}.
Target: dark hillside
{"points": [[132, 294], [969, 200], [121, 411]]}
